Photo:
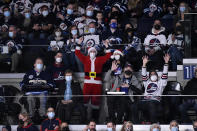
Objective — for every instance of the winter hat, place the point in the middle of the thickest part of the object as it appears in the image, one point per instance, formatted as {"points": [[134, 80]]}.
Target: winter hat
{"points": [[90, 49], [116, 52]]}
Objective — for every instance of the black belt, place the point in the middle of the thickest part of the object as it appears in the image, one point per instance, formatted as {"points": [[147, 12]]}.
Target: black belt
{"points": [[93, 74]]}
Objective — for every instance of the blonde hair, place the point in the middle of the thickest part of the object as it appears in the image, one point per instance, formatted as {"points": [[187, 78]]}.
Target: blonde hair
{"points": [[124, 125], [186, 8]]}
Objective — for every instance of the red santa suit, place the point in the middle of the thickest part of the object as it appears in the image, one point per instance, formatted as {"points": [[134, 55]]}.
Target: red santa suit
{"points": [[92, 81]]}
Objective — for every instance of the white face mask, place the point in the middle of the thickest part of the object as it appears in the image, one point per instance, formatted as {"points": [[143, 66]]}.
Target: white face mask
{"points": [[39, 67], [68, 78], [89, 13], [117, 57], [57, 33], [51, 115], [73, 32], [45, 13], [153, 78], [58, 60], [92, 55]]}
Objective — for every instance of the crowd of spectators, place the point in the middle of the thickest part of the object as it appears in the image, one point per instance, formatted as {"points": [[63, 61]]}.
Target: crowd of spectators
{"points": [[61, 37], [31, 29]]}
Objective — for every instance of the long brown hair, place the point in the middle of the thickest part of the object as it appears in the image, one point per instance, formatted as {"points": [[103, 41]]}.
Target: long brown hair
{"points": [[25, 114]]}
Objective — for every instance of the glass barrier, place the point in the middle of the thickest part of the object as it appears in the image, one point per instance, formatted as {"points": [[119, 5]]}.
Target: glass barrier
{"points": [[115, 106]]}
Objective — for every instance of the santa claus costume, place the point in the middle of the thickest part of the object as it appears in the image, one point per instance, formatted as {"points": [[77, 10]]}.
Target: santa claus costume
{"points": [[93, 73]]}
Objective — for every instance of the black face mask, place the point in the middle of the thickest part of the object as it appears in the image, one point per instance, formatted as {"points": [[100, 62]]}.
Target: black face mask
{"points": [[21, 122], [157, 27], [128, 72], [65, 129], [195, 129]]}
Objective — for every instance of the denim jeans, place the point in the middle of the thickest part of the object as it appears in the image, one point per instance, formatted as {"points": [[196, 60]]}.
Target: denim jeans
{"points": [[176, 56]]}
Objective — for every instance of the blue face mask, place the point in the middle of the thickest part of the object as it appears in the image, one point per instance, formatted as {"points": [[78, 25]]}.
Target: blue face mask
{"points": [[174, 129], [155, 129], [195, 129], [39, 66], [11, 34], [69, 11], [113, 25], [73, 32], [6, 13], [27, 15], [109, 129], [92, 30], [89, 13], [182, 9]]}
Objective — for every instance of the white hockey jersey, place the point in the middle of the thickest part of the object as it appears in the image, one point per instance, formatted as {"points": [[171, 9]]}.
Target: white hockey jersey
{"points": [[154, 90]]}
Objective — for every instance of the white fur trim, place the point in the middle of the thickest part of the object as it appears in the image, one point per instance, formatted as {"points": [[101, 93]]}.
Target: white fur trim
{"points": [[119, 52], [78, 48], [93, 81], [92, 48]]}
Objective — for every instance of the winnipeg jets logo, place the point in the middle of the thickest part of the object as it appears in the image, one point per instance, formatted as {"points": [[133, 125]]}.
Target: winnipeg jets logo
{"points": [[152, 87]]}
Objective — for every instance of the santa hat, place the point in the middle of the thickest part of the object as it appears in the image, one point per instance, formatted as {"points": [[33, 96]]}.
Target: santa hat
{"points": [[90, 49], [116, 52]]}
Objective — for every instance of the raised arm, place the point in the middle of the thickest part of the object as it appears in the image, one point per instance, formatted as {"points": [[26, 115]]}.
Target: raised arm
{"points": [[78, 53], [144, 72], [164, 76]]}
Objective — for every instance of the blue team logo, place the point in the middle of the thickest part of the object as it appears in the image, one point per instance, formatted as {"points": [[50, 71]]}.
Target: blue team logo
{"points": [[152, 87]]}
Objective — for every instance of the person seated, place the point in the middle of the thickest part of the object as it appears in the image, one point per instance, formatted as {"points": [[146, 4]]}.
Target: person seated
{"points": [[25, 123], [153, 8], [113, 35], [64, 127], [127, 126], [56, 44], [42, 24], [92, 39], [174, 126], [83, 21], [155, 127], [189, 101], [111, 126], [39, 79], [51, 123], [71, 89], [91, 126], [195, 125], [12, 48], [153, 89], [7, 18], [56, 70], [6, 128], [154, 42]]}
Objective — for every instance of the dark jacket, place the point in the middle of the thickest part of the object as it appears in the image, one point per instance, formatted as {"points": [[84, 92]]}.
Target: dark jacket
{"points": [[76, 90], [50, 124], [191, 88], [29, 127], [31, 75]]}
